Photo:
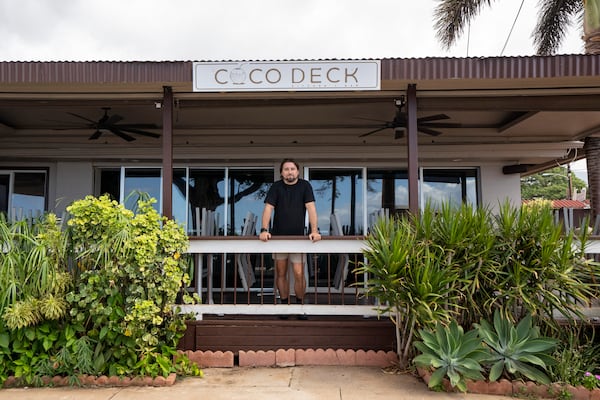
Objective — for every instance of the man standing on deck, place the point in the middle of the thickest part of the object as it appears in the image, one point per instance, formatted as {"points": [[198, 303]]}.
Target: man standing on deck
{"points": [[289, 199]]}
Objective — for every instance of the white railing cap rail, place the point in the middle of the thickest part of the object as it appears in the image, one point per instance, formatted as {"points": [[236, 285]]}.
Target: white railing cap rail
{"points": [[280, 244]]}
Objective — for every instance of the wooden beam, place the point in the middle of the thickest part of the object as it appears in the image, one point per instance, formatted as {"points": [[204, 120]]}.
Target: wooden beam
{"points": [[515, 119], [167, 152], [587, 102], [413, 151]]}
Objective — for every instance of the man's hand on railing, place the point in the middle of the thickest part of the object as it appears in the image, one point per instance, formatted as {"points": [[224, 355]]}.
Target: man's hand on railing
{"points": [[314, 236], [264, 236]]}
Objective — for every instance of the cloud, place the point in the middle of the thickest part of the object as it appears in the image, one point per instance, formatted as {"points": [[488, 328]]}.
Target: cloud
{"points": [[239, 29]]}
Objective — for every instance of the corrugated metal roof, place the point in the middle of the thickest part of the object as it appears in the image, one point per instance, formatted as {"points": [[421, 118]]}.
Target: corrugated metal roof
{"points": [[577, 65], [492, 68], [570, 204], [94, 72]]}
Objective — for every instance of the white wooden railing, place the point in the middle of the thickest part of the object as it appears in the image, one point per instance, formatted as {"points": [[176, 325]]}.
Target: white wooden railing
{"points": [[240, 246]]}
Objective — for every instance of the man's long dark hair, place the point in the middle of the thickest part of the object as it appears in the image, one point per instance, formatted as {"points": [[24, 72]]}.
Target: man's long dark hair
{"points": [[286, 160]]}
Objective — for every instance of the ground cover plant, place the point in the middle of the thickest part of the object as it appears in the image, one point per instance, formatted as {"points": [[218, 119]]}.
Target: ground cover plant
{"points": [[95, 297]]}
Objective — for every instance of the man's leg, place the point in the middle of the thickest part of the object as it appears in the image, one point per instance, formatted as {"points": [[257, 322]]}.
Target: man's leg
{"points": [[299, 281], [283, 284]]}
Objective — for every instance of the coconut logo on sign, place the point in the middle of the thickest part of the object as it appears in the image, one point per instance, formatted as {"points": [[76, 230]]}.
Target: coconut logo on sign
{"points": [[237, 76], [288, 76]]}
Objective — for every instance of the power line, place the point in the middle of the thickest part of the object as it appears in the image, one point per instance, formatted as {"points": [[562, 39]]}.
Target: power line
{"points": [[512, 27], [468, 38]]}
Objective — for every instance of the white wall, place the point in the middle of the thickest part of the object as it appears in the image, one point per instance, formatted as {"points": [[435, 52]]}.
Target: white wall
{"points": [[74, 181], [496, 187]]}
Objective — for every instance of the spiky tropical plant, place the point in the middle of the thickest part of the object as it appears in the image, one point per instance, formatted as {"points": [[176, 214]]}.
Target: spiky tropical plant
{"points": [[540, 270], [467, 239], [517, 350], [33, 271], [410, 279]]}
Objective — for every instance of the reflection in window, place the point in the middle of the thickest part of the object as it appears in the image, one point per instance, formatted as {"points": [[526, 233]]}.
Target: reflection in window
{"points": [[179, 192], [340, 192], [450, 186], [26, 197], [4, 192], [110, 182], [142, 181], [386, 189], [247, 191], [228, 195], [206, 193]]}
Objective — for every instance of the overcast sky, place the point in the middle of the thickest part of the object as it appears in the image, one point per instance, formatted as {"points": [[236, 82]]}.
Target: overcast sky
{"points": [[152, 30], [80, 30]]}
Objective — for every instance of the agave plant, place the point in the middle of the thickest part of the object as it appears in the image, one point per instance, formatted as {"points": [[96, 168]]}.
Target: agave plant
{"points": [[452, 353], [518, 350]]}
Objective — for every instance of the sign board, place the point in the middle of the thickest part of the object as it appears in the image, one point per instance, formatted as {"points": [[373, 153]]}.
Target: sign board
{"points": [[253, 76]]}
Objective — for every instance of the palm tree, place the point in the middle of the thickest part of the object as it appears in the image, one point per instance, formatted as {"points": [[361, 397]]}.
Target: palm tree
{"points": [[555, 16], [452, 16]]}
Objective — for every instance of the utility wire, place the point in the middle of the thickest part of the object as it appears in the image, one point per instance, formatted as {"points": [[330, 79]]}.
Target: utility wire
{"points": [[512, 27], [468, 38]]}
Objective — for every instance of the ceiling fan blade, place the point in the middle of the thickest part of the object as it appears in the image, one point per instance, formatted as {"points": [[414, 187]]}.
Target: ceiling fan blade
{"points": [[138, 131], [428, 131], [434, 117], [113, 119], [96, 135], [373, 131], [443, 125], [370, 119], [138, 126], [82, 117], [120, 134]]}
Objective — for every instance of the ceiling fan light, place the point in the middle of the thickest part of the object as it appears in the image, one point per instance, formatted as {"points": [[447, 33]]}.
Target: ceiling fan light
{"points": [[398, 132]]}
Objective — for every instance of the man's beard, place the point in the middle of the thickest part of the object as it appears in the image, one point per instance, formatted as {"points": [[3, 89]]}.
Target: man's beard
{"points": [[290, 179]]}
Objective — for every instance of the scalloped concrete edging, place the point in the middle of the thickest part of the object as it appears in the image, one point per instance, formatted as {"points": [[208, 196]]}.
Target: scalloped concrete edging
{"points": [[293, 357], [504, 387], [98, 381]]}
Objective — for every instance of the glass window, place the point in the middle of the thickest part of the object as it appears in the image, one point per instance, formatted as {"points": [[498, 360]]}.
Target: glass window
{"points": [[247, 191], [339, 192], [179, 193], [206, 192], [23, 193], [453, 186], [386, 189], [4, 192], [142, 180], [110, 183]]}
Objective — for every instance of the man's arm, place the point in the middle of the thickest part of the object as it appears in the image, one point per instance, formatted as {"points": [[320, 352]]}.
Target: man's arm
{"points": [[265, 222], [312, 220]]}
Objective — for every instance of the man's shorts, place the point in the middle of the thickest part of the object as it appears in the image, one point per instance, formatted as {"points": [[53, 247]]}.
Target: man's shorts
{"points": [[295, 258]]}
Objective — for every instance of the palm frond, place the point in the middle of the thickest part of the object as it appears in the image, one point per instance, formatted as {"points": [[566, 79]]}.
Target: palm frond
{"points": [[452, 16], [555, 17]]}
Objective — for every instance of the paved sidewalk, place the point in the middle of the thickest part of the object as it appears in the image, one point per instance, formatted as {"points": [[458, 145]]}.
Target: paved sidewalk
{"points": [[294, 383]]}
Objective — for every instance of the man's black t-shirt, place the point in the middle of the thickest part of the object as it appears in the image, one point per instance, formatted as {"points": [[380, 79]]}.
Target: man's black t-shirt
{"points": [[289, 203]]}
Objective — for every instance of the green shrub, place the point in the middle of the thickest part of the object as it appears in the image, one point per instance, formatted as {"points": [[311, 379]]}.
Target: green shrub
{"points": [[131, 272], [96, 298]]}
